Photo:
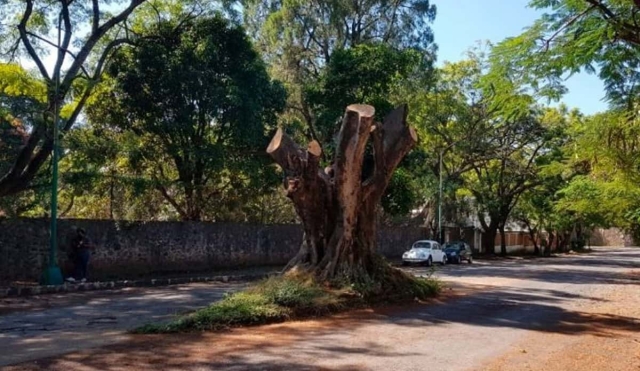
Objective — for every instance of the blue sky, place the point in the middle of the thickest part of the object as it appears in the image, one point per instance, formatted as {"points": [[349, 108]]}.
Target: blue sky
{"points": [[460, 24]]}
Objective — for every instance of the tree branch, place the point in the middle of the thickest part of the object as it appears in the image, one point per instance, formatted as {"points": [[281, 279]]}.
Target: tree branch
{"points": [[633, 35], [571, 21], [287, 154], [65, 42], [60, 48], [392, 141], [93, 39], [22, 28], [96, 16]]}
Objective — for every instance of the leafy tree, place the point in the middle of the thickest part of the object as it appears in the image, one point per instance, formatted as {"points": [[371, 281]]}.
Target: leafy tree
{"points": [[364, 73], [310, 31], [575, 35], [603, 37], [539, 210], [498, 183], [605, 151], [21, 96], [448, 113], [199, 101], [299, 39], [27, 28]]}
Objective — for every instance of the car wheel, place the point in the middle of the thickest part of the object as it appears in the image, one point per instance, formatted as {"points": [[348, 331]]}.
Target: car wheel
{"points": [[429, 262], [444, 260], [404, 264], [458, 260]]}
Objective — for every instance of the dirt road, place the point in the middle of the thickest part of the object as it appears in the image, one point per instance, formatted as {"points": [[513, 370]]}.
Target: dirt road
{"points": [[572, 313]]}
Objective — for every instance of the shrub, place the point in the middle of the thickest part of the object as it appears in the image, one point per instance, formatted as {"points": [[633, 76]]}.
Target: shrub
{"points": [[294, 295], [272, 300]]}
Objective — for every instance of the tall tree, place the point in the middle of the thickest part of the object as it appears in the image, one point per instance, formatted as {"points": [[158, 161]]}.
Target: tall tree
{"points": [[498, 183], [450, 115], [603, 37], [21, 103], [338, 206], [314, 29], [298, 38], [365, 74], [89, 36], [200, 99]]}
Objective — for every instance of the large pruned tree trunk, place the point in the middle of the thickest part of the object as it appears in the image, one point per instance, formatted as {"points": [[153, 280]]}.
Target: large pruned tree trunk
{"points": [[337, 205]]}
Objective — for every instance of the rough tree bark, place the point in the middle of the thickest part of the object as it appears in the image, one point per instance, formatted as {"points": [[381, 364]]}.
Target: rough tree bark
{"points": [[503, 240], [336, 205], [551, 241]]}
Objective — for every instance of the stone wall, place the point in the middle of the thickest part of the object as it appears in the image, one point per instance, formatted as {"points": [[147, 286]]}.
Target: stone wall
{"points": [[611, 237], [129, 250]]}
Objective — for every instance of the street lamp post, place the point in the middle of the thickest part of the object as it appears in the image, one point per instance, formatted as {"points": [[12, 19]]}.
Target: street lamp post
{"points": [[441, 154], [440, 239], [52, 274]]}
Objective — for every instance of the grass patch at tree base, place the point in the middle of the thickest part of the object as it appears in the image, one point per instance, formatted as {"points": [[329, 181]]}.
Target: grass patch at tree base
{"points": [[287, 297]]}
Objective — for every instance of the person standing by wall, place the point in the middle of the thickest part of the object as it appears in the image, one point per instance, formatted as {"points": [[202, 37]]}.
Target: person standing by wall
{"points": [[81, 248]]}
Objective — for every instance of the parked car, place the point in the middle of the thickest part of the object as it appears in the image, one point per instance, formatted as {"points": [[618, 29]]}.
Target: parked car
{"points": [[425, 252], [458, 251]]}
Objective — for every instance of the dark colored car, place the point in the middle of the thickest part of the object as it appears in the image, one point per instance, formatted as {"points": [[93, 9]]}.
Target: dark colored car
{"points": [[457, 252]]}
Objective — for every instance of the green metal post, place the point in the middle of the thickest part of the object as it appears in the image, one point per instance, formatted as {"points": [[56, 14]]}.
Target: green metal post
{"points": [[52, 274], [441, 235]]}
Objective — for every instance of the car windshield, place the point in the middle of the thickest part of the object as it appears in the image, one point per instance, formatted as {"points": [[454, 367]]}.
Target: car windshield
{"points": [[452, 247], [421, 245]]}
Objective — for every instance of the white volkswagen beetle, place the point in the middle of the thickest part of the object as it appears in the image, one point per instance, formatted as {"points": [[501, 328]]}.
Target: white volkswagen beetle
{"points": [[425, 252]]}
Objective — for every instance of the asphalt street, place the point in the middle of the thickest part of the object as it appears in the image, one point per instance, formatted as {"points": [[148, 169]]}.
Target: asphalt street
{"points": [[503, 302]]}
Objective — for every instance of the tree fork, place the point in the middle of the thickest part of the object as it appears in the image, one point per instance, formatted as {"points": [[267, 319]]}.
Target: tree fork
{"points": [[337, 207]]}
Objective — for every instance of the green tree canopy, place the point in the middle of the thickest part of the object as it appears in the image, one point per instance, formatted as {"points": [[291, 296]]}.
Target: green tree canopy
{"points": [[200, 101], [600, 36], [88, 37]]}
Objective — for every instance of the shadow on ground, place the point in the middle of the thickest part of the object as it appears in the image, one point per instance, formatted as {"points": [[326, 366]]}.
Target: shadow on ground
{"points": [[604, 266], [297, 345]]}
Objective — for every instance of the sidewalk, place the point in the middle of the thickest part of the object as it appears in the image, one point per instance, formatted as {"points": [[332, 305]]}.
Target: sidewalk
{"points": [[248, 274]]}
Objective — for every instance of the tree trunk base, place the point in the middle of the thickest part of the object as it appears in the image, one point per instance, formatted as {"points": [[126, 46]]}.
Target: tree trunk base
{"points": [[338, 205], [381, 282]]}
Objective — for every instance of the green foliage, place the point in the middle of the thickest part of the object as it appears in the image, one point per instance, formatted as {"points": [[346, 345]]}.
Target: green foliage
{"points": [[87, 39], [21, 97], [402, 193], [363, 74], [297, 295], [272, 300], [199, 102], [597, 36], [21, 109], [299, 39], [16, 82], [310, 31]]}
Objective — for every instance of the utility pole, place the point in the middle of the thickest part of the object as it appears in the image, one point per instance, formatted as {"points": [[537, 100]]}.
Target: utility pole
{"points": [[441, 154], [52, 274], [440, 238]]}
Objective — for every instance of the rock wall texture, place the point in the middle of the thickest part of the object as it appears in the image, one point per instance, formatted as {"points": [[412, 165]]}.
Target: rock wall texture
{"points": [[611, 237], [128, 250]]}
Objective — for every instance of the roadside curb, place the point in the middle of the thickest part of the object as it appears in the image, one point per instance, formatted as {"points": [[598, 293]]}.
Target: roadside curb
{"points": [[111, 285]]}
